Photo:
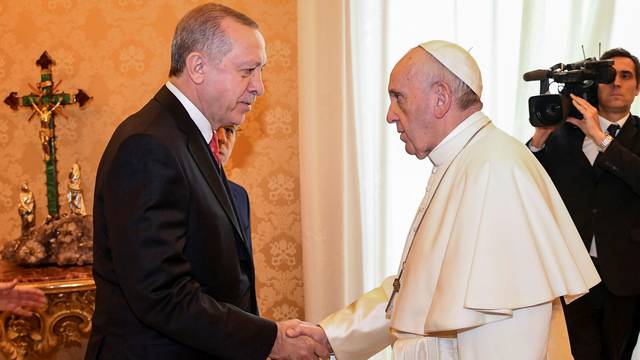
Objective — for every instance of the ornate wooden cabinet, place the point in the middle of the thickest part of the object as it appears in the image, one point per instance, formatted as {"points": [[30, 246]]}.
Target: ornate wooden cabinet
{"points": [[66, 322]]}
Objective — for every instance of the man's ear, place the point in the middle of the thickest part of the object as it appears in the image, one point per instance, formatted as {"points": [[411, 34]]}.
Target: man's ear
{"points": [[195, 66], [443, 99]]}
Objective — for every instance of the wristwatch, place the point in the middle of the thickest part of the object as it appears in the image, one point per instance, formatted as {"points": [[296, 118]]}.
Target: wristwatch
{"points": [[605, 143]]}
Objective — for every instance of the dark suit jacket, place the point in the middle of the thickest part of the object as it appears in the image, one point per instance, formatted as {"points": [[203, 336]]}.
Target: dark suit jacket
{"points": [[174, 275], [603, 199], [241, 201]]}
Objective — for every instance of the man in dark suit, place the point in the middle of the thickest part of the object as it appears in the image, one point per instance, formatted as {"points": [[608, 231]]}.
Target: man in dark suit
{"points": [[226, 137], [595, 164], [174, 275]]}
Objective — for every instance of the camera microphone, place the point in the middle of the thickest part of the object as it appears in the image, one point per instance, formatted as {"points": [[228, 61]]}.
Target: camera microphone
{"points": [[536, 75]]}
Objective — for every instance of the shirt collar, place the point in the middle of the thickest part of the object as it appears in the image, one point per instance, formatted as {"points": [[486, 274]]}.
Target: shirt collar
{"points": [[604, 123], [447, 149], [196, 115]]}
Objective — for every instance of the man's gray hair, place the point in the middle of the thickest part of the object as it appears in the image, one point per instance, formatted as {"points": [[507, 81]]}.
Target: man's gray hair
{"points": [[200, 30], [462, 93], [465, 97]]}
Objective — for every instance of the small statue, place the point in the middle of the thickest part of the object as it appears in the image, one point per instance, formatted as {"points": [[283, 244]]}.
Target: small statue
{"points": [[46, 133], [27, 209], [75, 197], [45, 113]]}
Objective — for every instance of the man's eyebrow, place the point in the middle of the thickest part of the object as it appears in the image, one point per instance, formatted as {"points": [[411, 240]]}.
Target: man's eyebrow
{"points": [[252, 64]]}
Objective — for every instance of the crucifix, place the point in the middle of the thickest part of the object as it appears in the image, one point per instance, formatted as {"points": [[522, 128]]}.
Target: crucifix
{"points": [[46, 101]]}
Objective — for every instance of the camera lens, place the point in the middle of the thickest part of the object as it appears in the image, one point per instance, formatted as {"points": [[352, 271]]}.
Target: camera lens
{"points": [[552, 110], [550, 113], [547, 109]]}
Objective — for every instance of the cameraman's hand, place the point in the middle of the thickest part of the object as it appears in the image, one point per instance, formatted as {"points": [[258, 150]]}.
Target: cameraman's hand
{"points": [[590, 124], [541, 135]]}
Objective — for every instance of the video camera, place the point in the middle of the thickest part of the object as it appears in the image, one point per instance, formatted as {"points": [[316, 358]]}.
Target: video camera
{"points": [[580, 78]]}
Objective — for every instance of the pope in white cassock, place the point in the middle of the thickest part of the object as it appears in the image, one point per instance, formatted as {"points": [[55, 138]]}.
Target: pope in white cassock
{"points": [[491, 245]]}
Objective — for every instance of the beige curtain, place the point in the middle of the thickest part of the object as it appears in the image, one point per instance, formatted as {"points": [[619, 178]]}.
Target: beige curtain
{"points": [[330, 210]]}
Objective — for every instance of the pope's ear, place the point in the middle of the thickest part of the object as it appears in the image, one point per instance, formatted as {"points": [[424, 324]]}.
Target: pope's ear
{"points": [[195, 66], [443, 99]]}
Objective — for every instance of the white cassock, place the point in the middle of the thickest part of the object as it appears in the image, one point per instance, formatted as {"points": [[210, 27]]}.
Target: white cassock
{"points": [[491, 246]]}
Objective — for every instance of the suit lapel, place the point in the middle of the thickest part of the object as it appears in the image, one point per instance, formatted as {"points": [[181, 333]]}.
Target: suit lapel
{"points": [[629, 132], [626, 137], [575, 140], [200, 153]]}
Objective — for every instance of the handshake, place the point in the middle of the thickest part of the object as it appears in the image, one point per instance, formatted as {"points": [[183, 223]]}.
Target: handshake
{"points": [[298, 340]]}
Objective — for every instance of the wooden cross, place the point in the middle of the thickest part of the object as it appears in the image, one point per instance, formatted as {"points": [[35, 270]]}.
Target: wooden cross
{"points": [[46, 101]]}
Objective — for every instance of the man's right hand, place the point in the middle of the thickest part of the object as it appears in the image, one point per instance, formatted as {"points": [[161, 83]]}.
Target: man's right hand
{"points": [[20, 300], [298, 348], [541, 135]]}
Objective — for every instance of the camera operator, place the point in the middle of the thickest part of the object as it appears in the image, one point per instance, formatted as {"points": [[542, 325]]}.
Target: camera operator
{"points": [[596, 168]]}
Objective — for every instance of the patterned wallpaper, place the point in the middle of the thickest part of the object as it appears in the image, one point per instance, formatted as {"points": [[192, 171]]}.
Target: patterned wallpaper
{"points": [[118, 51]]}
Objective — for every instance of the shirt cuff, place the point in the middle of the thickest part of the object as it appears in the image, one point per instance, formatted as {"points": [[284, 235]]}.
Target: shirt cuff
{"points": [[533, 148]]}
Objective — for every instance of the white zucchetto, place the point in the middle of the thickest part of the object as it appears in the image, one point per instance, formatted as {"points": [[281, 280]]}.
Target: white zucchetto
{"points": [[458, 61]]}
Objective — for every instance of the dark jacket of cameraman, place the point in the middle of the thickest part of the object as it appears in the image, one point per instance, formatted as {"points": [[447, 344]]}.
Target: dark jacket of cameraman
{"points": [[603, 199]]}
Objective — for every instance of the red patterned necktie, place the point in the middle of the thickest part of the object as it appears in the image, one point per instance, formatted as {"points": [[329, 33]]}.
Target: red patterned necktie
{"points": [[213, 145]]}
